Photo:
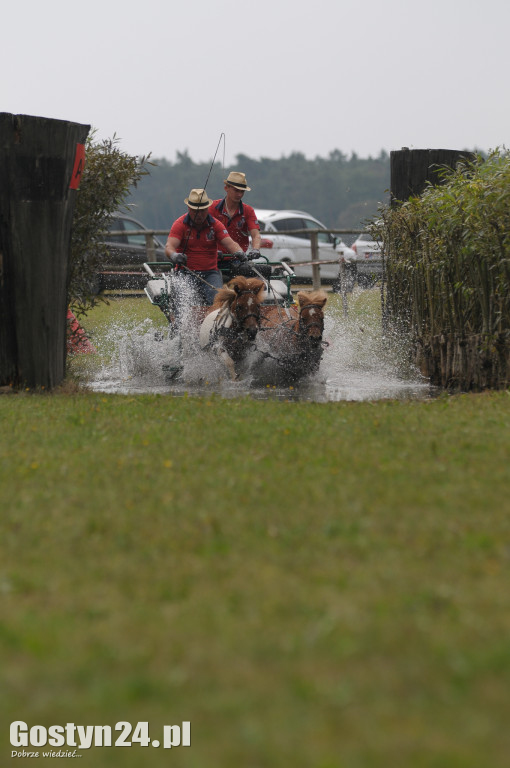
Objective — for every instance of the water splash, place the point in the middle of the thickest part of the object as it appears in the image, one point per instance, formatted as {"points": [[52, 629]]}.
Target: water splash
{"points": [[359, 363], [363, 363]]}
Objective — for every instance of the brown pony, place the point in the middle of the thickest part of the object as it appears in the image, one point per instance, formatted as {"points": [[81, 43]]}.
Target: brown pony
{"points": [[293, 337], [232, 322]]}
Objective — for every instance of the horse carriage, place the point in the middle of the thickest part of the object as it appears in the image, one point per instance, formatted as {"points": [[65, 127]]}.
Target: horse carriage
{"points": [[255, 324]]}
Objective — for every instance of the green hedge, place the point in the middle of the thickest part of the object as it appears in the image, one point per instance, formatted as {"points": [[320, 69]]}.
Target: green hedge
{"points": [[447, 263]]}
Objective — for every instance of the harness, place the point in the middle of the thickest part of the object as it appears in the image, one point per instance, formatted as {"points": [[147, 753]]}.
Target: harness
{"points": [[289, 360], [228, 325], [256, 314], [303, 326]]}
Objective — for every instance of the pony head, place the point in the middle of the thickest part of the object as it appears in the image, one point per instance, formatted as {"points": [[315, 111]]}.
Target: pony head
{"points": [[311, 315], [243, 297]]}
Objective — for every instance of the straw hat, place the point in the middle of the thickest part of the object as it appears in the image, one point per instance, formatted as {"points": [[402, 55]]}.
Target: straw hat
{"points": [[238, 180], [198, 199]]}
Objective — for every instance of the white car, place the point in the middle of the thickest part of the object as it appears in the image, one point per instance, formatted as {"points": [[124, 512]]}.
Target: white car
{"points": [[366, 248], [297, 248], [369, 259]]}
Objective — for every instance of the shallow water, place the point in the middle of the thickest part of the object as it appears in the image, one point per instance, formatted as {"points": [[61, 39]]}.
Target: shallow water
{"points": [[359, 363]]}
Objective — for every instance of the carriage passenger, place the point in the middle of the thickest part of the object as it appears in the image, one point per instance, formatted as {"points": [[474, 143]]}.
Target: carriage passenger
{"points": [[194, 241], [239, 219]]}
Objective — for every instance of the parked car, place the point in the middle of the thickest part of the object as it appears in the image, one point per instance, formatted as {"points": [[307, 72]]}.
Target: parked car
{"points": [[368, 259], [129, 249], [125, 255], [297, 248]]}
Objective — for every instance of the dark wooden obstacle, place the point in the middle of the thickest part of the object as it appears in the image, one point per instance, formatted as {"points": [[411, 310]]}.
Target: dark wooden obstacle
{"points": [[41, 161], [411, 169]]}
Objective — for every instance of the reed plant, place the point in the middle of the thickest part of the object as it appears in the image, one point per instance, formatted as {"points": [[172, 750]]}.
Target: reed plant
{"points": [[447, 259]]}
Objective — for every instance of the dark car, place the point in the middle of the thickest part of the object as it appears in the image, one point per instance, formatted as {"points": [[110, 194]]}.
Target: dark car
{"points": [[129, 248], [122, 267]]}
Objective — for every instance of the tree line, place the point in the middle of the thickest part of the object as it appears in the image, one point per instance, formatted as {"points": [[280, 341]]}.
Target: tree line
{"points": [[343, 192]]}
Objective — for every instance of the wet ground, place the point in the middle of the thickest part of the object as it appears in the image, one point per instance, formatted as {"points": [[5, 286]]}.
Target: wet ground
{"points": [[359, 363]]}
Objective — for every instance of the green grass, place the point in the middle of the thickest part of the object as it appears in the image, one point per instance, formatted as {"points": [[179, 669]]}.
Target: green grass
{"points": [[309, 584]]}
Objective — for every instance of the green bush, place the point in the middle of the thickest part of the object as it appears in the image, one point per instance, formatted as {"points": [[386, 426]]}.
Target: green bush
{"points": [[447, 252], [108, 176]]}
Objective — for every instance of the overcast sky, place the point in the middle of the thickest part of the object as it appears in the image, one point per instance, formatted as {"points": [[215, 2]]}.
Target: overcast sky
{"points": [[273, 76]]}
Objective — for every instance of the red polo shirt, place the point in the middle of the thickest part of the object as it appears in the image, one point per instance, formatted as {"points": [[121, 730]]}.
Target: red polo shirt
{"points": [[200, 246], [239, 226]]}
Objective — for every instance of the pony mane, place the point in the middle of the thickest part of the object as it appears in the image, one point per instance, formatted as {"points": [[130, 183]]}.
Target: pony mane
{"points": [[224, 295], [247, 283], [312, 297]]}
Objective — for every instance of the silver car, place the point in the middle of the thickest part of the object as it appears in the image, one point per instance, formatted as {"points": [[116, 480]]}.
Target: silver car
{"points": [[298, 248]]}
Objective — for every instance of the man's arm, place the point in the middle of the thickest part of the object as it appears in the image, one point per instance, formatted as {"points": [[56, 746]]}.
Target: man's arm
{"points": [[255, 239], [253, 227], [229, 245], [171, 246]]}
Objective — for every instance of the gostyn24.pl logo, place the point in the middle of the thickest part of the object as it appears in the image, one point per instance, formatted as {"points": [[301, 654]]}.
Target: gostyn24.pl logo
{"points": [[86, 736]]}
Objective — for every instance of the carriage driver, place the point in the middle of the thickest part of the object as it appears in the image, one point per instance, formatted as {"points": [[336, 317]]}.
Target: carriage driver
{"points": [[194, 241], [239, 218]]}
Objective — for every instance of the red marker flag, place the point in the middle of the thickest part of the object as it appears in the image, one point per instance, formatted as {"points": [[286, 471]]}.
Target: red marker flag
{"points": [[79, 164]]}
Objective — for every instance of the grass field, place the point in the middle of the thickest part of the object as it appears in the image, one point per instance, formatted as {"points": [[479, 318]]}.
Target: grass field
{"points": [[309, 585]]}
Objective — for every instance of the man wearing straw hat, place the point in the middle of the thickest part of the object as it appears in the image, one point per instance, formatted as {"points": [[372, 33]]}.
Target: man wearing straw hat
{"points": [[238, 218], [194, 241]]}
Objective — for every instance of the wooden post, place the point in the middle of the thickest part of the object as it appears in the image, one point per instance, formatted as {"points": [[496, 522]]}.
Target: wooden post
{"points": [[41, 162], [316, 270], [150, 248], [411, 169]]}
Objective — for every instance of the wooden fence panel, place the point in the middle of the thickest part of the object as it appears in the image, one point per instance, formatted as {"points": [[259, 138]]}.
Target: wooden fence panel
{"points": [[411, 169], [41, 160]]}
